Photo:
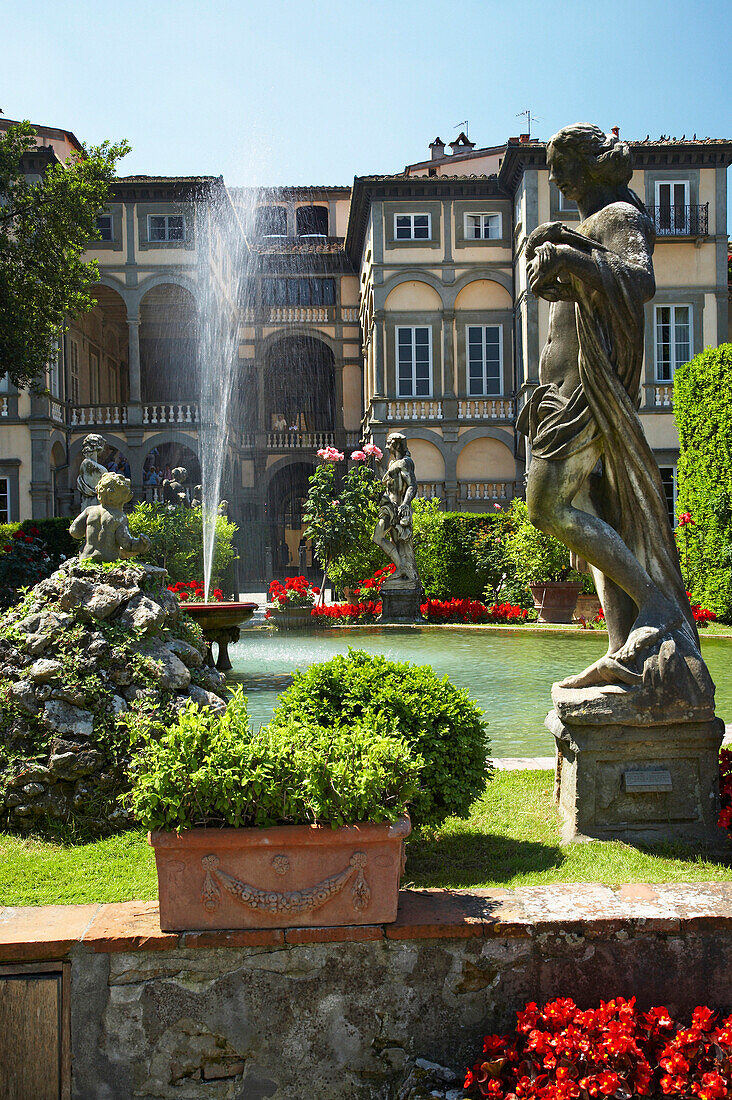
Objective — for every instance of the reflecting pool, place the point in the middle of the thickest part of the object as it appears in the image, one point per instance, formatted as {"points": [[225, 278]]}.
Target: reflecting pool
{"points": [[508, 673]]}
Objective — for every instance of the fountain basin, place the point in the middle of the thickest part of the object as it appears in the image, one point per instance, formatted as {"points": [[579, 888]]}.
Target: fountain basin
{"points": [[220, 623]]}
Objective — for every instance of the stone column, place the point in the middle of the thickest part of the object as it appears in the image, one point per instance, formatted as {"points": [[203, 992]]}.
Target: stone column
{"points": [[448, 353], [133, 330], [379, 365]]}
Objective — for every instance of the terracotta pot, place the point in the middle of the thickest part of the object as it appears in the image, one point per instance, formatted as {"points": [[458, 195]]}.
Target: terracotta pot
{"points": [[291, 618], [587, 606], [555, 600], [288, 876]]}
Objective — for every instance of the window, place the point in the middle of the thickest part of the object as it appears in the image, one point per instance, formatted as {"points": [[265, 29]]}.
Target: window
{"points": [[484, 360], [413, 227], [166, 227], [104, 227], [668, 477], [74, 373], [672, 207], [311, 221], [94, 379], [298, 292], [565, 203], [4, 500], [482, 227], [673, 340], [54, 372], [414, 361], [271, 221]]}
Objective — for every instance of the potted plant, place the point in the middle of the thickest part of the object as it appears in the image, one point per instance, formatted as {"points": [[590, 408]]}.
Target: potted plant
{"points": [[293, 825], [543, 566], [293, 603]]}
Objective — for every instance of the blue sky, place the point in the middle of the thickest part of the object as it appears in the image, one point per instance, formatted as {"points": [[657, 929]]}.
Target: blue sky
{"points": [[278, 91]]}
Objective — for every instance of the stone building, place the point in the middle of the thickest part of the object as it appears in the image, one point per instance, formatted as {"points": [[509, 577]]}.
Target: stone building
{"points": [[399, 303]]}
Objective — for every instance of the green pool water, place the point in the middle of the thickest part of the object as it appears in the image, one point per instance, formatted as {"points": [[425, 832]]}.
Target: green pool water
{"points": [[509, 674]]}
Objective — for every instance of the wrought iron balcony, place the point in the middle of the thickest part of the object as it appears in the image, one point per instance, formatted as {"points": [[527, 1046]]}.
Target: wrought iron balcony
{"points": [[681, 221]]}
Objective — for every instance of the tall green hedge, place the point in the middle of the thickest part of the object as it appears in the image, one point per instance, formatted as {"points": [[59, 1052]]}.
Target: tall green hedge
{"points": [[447, 555], [703, 411]]}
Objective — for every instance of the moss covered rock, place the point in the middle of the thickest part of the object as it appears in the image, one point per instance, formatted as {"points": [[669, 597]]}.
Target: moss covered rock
{"points": [[90, 656]]}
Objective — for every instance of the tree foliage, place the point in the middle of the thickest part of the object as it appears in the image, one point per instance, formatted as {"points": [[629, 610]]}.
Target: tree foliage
{"points": [[45, 226], [176, 537], [341, 519], [703, 411]]}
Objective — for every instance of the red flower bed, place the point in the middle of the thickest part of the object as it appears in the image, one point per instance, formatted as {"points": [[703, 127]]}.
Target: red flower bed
{"points": [[347, 612], [471, 611], [195, 592], [373, 584], [560, 1052], [295, 592]]}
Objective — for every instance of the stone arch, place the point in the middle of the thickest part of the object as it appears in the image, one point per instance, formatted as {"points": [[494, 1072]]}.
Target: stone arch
{"points": [[296, 330], [485, 459], [381, 293], [285, 492], [429, 461], [167, 276], [300, 387], [168, 342], [483, 294], [490, 274], [413, 295]]}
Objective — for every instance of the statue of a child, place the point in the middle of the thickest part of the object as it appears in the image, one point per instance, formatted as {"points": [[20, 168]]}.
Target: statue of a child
{"points": [[103, 526], [91, 470]]}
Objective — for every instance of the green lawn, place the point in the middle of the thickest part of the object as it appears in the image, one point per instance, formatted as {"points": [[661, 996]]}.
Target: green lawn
{"points": [[510, 839]]}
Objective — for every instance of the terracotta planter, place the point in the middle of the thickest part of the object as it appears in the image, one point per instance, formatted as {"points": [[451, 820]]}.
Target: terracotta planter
{"points": [[555, 600], [587, 606], [289, 876], [291, 618]]}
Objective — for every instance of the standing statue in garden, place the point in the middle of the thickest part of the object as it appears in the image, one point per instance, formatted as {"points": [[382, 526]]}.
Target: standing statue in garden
{"points": [[394, 530], [594, 484], [401, 593], [103, 526], [91, 469]]}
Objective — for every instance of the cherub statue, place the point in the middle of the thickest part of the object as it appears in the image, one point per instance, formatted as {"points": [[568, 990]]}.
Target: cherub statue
{"points": [[103, 526], [174, 489], [91, 469], [394, 530]]}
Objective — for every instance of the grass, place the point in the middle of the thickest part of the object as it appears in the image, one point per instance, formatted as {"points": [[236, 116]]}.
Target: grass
{"points": [[510, 839]]}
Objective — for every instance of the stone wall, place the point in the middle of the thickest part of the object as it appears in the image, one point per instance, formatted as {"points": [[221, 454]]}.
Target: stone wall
{"points": [[330, 1014]]}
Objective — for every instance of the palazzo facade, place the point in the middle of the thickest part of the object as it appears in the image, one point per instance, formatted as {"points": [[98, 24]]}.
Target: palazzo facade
{"points": [[399, 303]]}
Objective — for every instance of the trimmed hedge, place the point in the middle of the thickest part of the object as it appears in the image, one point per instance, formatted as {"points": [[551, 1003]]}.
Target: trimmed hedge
{"points": [[703, 412], [446, 548]]}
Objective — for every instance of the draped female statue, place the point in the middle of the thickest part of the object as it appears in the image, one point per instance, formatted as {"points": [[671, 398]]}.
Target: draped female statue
{"points": [[593, 481]]}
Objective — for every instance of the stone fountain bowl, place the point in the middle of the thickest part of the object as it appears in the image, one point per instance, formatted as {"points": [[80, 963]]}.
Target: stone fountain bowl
{"points": [[220, 623]]}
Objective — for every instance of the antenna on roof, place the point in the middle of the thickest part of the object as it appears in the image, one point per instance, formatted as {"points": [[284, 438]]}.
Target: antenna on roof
{"points": [[465, 124], [529, 118]]}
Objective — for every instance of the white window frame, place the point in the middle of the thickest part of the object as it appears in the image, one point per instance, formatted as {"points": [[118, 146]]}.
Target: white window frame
{"points": [[484, 392], [412, 216], [109, 220], [4, 493], [483, 215], [568, 205], [673, 365], [413, 329], [167, 239], [673, 227]]}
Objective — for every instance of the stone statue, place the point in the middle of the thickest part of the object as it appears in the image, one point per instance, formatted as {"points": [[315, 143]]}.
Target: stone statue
{"points": [[103, 526], [174, 489], [593, 481], [401, 593], [394, 530], [90, 470]]}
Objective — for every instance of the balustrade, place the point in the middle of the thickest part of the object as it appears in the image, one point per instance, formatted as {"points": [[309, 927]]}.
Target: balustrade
{"points": [[498, 408], [414, 410], [291, 441], [4, 406], [87, 416], [681, 221], [430, 489], [487, 490], [663, 396], [287, 314], [170, 414]]}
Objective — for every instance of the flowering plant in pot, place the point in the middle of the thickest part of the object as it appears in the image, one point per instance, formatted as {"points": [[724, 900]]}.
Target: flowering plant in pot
{"points": [[293, 824], [293, 602], [195, 592], [543, 565]]}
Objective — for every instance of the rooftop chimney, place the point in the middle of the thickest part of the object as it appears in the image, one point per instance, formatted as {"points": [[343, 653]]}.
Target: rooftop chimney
{"points": [[616, 131], [524, 138], [437, 148], [461, 144]]}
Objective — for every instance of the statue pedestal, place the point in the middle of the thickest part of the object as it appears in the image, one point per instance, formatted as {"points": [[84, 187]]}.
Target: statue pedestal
{"points": [[641, 784], [400, 600]]}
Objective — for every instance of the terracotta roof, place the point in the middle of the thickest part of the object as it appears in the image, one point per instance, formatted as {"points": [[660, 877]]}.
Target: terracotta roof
{"points": [[296, 190], [405, 177], [168, 179]]}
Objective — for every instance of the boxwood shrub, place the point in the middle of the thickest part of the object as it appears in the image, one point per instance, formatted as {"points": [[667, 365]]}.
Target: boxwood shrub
{"points": [[437, 719], [210, 769]]}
